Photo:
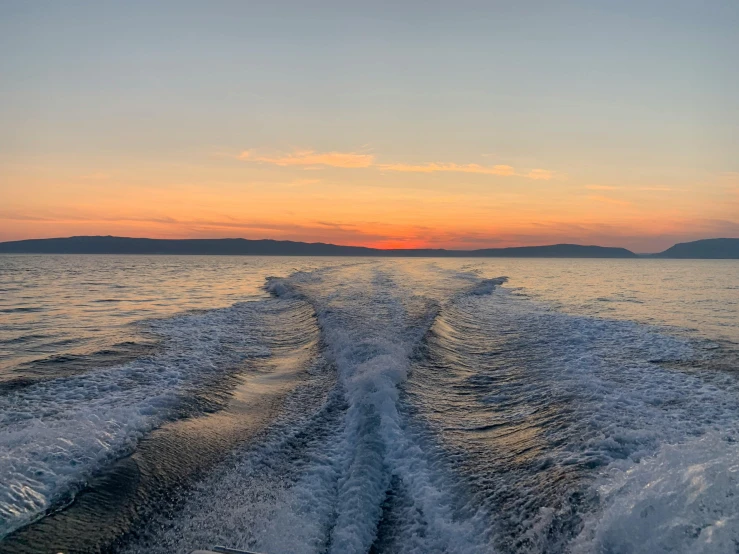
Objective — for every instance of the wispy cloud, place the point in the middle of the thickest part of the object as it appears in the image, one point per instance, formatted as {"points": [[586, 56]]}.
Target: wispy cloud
{"points": [[450, 167], [308, 158], [607, 200], [499, 170], [648, 189], [543, 174], [303, 182], [311, 160]]}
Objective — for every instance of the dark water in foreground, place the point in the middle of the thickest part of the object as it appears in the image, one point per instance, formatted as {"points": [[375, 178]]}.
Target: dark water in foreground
{"points": [[163, 404]]}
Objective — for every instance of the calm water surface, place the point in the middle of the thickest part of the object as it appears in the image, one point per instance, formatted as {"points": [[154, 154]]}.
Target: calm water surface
{"points": [[163, 404]]}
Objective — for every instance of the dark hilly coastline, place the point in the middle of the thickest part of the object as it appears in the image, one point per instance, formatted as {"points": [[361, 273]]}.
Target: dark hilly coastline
{"points": [[715, 249], [244, 247], [725, 248]]}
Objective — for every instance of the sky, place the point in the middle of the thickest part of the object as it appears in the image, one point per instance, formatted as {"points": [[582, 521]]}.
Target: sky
{"points": [[390, 124]]}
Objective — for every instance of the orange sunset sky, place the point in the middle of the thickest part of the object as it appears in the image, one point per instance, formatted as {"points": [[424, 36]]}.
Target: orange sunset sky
{"points": [[459, 125]]}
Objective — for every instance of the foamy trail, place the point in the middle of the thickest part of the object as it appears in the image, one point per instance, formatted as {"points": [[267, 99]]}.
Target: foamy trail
{"points": [[372, 328], [354, 473], [684, 499], [537, 404], [464, 418], [56, 434]]}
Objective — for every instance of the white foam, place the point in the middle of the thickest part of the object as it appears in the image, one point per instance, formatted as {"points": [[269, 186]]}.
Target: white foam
{"points": [[322, 484], [372, 325], [615, 373], [55, 434], [685, 498], [574, 393]]}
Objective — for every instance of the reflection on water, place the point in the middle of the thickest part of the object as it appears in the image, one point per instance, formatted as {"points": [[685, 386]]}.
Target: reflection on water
{"points": [[57, 311]]}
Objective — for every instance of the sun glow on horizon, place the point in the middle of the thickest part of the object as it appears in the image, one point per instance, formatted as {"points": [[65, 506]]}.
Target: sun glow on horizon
{"points": [[368, 131]]}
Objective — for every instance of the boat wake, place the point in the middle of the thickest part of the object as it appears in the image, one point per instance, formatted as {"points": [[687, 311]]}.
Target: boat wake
{"points": [[441, 412], [56, 434]]}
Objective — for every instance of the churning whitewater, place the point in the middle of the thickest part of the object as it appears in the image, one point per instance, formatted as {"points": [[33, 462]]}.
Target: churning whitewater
{"points": [[433, 410]]}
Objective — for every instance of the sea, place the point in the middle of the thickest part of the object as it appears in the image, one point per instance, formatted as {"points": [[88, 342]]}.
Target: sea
{"points": [[162, 404]]}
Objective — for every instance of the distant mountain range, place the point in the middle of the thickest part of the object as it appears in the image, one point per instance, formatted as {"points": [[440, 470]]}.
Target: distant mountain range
{"points": [[121, 245], [705, 249], [712, 248]]}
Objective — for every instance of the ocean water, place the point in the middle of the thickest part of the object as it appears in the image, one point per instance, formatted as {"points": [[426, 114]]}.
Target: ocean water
{"points": [[340, 405]]}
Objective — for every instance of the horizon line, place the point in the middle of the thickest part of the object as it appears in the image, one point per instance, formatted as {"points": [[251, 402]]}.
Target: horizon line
{"points": [[322, 243], [358, 247]]}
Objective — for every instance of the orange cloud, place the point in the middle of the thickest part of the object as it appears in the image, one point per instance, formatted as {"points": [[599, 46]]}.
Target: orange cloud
{"points": [[645, 189], [607, 200], [543, 174], [501, 170], [467, 168], [311, 158], [303, 182], [601, 187]]}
